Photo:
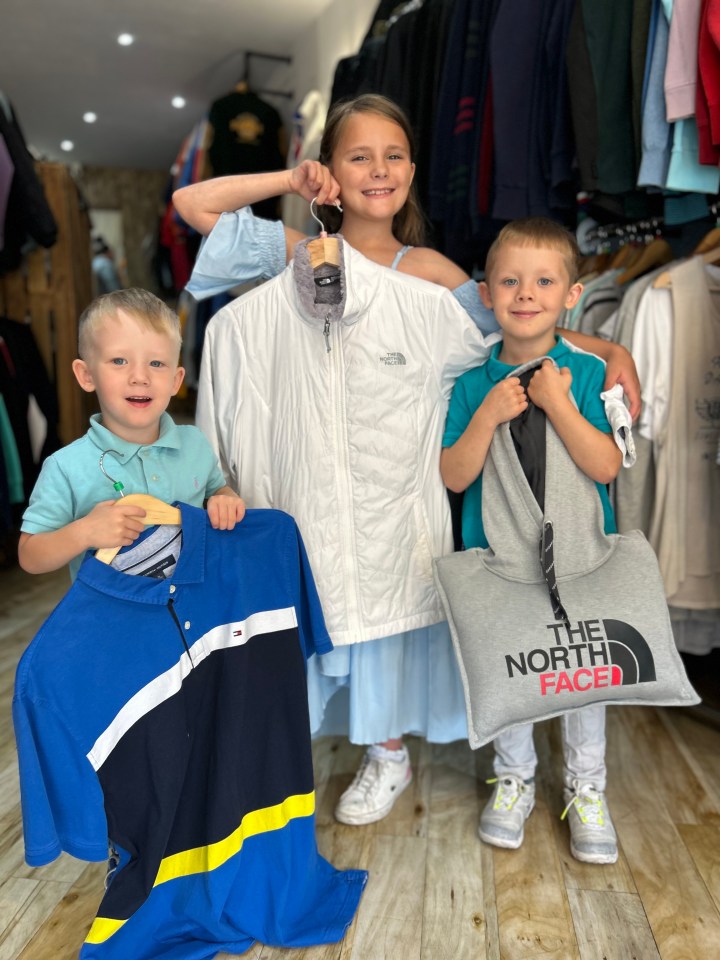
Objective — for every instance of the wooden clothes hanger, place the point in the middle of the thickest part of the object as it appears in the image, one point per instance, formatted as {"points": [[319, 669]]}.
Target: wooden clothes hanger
{"points": [[623, 257], [710, 241], [596, 263], [664, 280], [654, 254], [323, 249], [156, 511], [631, 252], [712, 237]]}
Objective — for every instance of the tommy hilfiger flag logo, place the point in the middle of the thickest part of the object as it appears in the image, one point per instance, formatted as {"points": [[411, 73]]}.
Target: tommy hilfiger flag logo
{"points": [[590, 655]]}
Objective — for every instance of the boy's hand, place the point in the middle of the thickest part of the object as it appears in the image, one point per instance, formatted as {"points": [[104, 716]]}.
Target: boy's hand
{"points": [[504, 402], [225, 510], [548, 384], [313, 179], [112, 523]]}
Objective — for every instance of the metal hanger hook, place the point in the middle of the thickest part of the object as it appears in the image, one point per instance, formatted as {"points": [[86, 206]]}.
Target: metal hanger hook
{"points": [[314, 215], [117, 485], [316, 218]]}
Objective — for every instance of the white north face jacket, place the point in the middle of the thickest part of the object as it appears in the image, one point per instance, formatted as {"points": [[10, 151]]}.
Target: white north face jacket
{"points": [[335, 413]]}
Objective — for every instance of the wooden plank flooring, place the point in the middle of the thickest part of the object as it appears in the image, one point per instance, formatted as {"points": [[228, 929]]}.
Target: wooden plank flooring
{"points": [[435, 892]]}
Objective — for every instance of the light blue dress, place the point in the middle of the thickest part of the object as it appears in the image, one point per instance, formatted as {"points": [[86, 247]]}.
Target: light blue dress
{"points": [[370, 692]]}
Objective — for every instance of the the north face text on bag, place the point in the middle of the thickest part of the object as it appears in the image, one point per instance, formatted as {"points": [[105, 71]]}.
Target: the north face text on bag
{"points": [[590, 655]]}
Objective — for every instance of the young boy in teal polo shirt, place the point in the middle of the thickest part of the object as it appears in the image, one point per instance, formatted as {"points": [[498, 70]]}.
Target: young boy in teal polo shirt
{"points": [[531, 276], [129, 346]]}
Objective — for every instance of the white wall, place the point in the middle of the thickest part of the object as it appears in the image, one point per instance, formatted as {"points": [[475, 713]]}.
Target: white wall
{"points": [[336, 34]]}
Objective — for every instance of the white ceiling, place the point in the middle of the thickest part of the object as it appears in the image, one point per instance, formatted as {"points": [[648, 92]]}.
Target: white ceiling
{"points": [[60, 58]]}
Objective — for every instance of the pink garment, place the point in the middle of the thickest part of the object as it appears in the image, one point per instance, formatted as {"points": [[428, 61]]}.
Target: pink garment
{"points": [[681, 67]]}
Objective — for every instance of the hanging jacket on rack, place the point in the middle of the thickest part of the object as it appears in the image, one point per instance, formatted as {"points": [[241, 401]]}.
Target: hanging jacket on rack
{"points": [[23, 376], [684, 537], [247, 137], [28, 216]]}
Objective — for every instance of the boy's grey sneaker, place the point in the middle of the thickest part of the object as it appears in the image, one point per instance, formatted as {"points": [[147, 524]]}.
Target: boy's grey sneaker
{"points": [[502, 822], [592, 834], [377, 785]]}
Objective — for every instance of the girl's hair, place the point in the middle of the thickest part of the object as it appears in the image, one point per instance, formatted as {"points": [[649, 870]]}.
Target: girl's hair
{"points": [[409, 223], [149, 311], [537, 232]]}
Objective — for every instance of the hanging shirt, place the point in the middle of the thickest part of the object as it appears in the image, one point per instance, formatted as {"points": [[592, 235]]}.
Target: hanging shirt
{"points": [[246, 138], [686, 511], [168, 712]]}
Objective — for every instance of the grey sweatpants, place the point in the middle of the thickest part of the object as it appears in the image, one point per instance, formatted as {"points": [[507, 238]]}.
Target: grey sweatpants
{"points": [[583, 737]]}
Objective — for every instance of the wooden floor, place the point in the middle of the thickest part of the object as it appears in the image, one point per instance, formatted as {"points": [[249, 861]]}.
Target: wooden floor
{"points": [[435, 891]]}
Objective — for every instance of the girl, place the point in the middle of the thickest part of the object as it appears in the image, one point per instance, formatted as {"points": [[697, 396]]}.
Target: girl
{"points": [[407, 682]]}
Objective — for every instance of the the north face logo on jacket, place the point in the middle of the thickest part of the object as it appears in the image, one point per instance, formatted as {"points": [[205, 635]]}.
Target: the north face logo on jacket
{"points": [[393, 359], [590, 655]]}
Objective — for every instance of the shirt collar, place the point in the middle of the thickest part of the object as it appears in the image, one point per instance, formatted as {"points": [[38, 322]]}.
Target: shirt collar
{"points": [[360, 282], [497, 370], [105, 439], [190, 566]]}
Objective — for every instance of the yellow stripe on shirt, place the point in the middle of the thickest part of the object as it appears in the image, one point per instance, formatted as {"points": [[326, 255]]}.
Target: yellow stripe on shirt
{"points": [[214, 855]]}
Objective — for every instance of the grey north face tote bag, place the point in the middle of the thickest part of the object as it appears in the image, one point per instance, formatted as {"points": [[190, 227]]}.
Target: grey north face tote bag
{"points": [[556, 614]]}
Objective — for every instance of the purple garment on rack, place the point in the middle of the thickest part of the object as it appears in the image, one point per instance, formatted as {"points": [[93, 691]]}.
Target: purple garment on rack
{"points": [[7, 171]]}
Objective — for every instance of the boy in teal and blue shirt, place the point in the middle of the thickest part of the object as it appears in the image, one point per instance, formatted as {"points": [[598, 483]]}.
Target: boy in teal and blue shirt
{"points": [[531, 277]]}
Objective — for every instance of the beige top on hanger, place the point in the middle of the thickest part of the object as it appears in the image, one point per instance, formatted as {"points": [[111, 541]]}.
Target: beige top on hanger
{"points": [[664, 280]]}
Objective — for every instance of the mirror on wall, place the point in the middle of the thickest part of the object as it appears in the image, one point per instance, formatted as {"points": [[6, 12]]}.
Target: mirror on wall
{"points": [[109, 260]]}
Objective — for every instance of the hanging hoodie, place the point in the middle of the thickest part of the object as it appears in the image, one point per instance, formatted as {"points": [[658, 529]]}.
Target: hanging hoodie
{"points": [[555, 614]]}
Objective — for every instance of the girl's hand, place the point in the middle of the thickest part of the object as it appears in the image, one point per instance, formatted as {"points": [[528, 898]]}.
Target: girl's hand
{"points": [[312, 179], [225, 510], [504, 402]]}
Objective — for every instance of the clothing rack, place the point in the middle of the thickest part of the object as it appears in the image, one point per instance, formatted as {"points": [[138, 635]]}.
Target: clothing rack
{"points": [[266, 56]]}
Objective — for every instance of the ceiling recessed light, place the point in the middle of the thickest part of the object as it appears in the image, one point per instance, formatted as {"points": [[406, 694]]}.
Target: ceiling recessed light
{"points": [[67, 145], [125, 39], [178, 102], [89, 117]]}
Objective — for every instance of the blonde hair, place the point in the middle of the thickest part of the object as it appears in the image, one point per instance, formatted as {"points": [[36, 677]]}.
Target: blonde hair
{"points": [[150, 312], [408, 224], [537, 232]]}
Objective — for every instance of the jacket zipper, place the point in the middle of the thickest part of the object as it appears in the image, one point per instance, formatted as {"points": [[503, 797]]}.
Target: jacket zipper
{"points": [[326, 333], [337, 382]]}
